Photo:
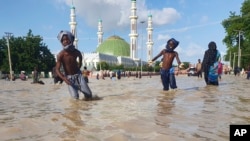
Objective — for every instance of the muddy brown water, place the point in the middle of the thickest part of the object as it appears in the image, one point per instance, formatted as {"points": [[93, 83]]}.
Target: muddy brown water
{"points": [[131, 110]]}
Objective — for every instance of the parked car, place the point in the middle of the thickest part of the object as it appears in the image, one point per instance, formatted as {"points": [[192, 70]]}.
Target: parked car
{"points": [[192, 72]]}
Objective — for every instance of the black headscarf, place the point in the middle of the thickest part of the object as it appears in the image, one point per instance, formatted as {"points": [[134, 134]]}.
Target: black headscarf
{"points": [[212, 52], [210, 56]]}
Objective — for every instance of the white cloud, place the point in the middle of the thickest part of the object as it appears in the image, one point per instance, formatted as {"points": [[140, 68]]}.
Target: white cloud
{"points": [[191, 53], [115, 13], [165, 16], [159, 48], [194, 49], [163, 37]]}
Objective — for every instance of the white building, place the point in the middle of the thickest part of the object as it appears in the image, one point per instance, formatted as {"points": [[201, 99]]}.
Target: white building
{"points": [[115, 50]]}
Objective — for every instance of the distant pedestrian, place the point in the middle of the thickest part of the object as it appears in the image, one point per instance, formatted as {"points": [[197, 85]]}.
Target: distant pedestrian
{"points": [[101, 74], [236, 71], [111, 74], [119, 74], [35, 75], [85, 74], [248, 72], [198, 68], [22, 76], [97, 76], [220, 69]]}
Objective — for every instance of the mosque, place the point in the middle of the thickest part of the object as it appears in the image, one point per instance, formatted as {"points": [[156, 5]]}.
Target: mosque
{"points": [[115, 50]]}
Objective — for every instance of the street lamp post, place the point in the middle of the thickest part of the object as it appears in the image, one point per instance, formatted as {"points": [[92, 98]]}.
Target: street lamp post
{"points": [[234, 60], [142, 22], [239, 49], [8, 34], [230, 59]]}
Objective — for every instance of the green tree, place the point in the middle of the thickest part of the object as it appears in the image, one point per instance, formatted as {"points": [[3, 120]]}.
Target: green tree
{"points": [[116, 67], [234, 25], [26, 53], [3, 57], [102, 65], [157, 66]]}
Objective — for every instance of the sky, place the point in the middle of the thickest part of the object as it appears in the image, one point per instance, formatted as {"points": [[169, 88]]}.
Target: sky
{"points": [[194, 23]]}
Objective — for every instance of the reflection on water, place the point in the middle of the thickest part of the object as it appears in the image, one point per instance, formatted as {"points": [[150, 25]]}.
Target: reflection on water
{"points": [[73, 114], [131, 109]]}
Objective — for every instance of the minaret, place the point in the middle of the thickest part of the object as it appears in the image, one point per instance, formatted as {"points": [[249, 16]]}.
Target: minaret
{"points": [[133, 30], [99, 33], [73, 24], [150, 38]]}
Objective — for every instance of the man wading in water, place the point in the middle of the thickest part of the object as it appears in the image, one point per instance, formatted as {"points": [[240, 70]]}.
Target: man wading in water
{"points": [[168, 57], [68, 59]]}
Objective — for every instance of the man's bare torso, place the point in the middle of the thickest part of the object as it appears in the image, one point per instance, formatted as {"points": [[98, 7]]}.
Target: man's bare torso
{"points": [[168, 58], [69, 61]]}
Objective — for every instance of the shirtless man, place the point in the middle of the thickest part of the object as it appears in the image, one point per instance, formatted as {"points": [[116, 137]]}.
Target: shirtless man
{"points": [[168, 57], [85, 74], [68, 59], [198, 68]]}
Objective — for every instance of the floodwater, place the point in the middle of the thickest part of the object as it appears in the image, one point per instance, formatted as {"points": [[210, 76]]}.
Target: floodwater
{"points": [[132, 109]]}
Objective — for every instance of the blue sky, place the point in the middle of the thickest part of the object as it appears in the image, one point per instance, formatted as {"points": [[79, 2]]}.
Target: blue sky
{"points": [[193, 22]]}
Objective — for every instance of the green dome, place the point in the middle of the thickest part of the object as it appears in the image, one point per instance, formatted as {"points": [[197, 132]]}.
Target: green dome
{"points": [[114, 45]]}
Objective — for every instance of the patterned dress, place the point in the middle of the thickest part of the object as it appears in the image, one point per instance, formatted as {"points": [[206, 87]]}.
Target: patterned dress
{"points": [[213, 70], [210, 64]]}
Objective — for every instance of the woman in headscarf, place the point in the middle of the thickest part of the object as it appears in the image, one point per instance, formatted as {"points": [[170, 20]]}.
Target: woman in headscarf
{"points": [[210, 64]]}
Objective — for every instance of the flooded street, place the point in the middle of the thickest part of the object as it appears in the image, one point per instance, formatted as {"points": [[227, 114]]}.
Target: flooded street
{"points": [[132, 109]]}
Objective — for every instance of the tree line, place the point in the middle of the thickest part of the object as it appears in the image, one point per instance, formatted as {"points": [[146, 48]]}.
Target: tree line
{"points": [[26, 53], [237, 30]]}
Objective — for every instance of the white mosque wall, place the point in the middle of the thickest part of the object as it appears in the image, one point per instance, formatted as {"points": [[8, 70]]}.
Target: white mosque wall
{"points": [[90, 60], [126, 61]]}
